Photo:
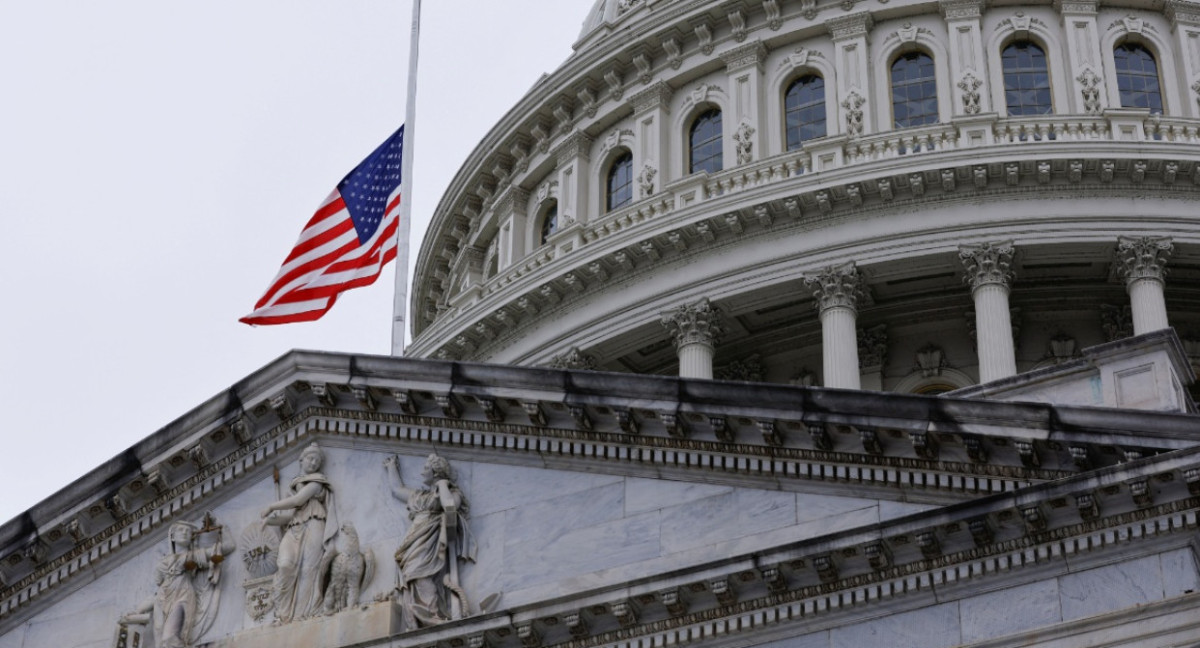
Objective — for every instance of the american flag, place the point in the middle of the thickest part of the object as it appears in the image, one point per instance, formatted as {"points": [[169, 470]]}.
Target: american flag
{"points": [[344, 245]]}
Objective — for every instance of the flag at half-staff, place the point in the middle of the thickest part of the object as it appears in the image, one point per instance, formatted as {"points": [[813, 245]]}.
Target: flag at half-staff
{"points": [[344, 245]]}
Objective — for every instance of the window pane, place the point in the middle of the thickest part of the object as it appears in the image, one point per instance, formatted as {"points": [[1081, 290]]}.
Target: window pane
{"points": [[620, 182], [804, 108], [1025, 74], [914, 91], [550, 222], [705, 143], [1137, 77]]}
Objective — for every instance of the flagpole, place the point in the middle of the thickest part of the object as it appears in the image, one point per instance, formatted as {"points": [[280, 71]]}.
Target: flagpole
{"points": [[403, 232]]}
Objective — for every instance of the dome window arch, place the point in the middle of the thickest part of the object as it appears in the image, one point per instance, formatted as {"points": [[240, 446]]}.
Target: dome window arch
{"points": [[619, 183], [1026, 79], [705, 143], [804, 110], [549, 222], [914, 90], [1138, 82]]}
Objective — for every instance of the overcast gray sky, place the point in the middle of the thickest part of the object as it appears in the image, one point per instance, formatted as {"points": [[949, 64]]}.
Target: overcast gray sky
{"points": [[158, 160]]}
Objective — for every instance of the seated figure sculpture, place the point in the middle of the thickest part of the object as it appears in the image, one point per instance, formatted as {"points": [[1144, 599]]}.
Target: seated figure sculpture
{"points": [[184, 604]]}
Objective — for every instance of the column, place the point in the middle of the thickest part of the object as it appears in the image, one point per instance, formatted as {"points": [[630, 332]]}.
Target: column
{"points": [[1142, 263], [968, 65], [1083, 56], [837, 290], [696, 328], [650, 109], [988, 273], [743, 121], [852, 61]]}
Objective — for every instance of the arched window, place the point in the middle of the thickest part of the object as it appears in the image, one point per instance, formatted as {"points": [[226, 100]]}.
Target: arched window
{"points": [[914, 90], [549, 222], [620, 182], [1026, 79], [804, 110], [705, 143], [1137, 77]]}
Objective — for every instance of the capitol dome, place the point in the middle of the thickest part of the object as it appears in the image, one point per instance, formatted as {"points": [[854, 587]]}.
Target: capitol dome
{"points": [[840, 211], [897, 195]]}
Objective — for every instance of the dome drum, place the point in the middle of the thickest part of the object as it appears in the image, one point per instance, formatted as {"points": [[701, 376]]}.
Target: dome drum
{"points": [[1027, 129]]}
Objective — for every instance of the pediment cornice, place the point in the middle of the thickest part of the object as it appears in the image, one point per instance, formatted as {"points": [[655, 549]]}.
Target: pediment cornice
{"points": [[890, 446]]}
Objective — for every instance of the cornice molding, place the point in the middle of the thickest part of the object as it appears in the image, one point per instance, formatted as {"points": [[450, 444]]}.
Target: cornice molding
{"points": [[818, 441]]}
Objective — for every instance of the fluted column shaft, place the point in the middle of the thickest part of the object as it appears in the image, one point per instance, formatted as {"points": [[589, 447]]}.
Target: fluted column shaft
{"points": [[840, 347], [1149, 306], [993, 325], [1142, 262], [988, 273], [837, 290], [696, 329], [696, 361]]}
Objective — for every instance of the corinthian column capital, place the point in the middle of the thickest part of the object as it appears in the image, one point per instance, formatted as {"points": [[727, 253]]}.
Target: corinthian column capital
{"points": [[1143, 258], [989, 263], [836, 287], [698, 323]]}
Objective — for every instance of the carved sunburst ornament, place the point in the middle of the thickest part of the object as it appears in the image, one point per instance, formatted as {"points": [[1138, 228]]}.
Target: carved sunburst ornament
{"points": [[261, 548]]}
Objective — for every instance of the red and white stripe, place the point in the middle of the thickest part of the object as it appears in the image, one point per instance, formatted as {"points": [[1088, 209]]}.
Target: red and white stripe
{"points": [[326, 261]]}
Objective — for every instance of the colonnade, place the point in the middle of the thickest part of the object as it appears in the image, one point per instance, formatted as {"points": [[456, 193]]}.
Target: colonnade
{"points": [[841, 290]]}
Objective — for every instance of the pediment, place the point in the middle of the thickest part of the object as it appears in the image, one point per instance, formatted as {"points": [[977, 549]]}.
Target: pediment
{"points": [[599, 503]]}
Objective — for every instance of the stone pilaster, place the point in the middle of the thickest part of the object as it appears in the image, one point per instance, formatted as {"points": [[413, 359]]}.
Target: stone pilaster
{"points": [[837, 290], [1141, 262], [573, 172], [743, 122], [695, 329], [1079, 21], [851, 58], [1185, 27], [872, 356], [988, 271], [968, 66], [650, 109], [514, 241]]}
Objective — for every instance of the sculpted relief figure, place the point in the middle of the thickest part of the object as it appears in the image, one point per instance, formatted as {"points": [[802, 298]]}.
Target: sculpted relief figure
{"points": [[184, 605], [309, 520], [350, 570], [429, 592]]}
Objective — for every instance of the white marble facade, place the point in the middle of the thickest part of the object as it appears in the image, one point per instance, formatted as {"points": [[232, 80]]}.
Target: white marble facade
{"points": [[541, 534]]}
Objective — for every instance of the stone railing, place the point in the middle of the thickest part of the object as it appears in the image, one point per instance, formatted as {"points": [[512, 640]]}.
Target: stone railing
{"points": [[1169, 129], [1043, 128], [893, 144], [757, 174]]}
